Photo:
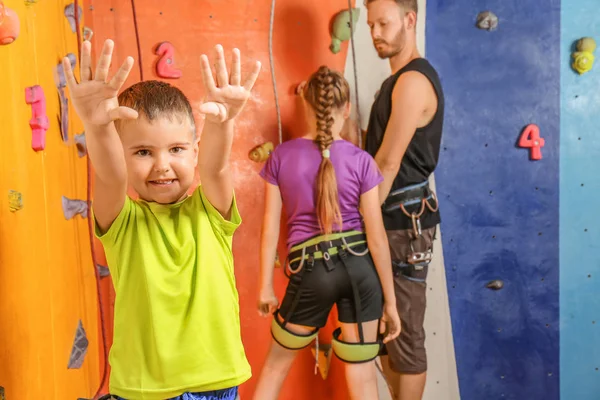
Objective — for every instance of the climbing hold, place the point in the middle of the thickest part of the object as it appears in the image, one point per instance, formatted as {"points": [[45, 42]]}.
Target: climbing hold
{"points": [[15, 201], [80, 144], [74, 207], [583, 58], [87, 33], [164, 65], [495, 284], [70, 14], [277, 261], [79, 349], [61, 82], [323, 359], [39, 122], [10, 26], [531, 138], [341, 28], [261, 152], [2, 393], [487, 20], [103, 271], [300, 88], [59, 74]]}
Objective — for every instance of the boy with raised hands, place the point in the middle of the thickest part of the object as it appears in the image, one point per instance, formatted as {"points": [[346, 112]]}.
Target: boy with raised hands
{"points": [[176, 316]]}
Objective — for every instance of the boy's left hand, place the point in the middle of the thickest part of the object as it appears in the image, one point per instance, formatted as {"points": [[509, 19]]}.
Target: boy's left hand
{"points": [[225, 96]]}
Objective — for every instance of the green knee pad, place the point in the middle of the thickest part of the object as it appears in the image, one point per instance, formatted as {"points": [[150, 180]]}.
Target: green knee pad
{"points": [[354, 352], [288, 339]]}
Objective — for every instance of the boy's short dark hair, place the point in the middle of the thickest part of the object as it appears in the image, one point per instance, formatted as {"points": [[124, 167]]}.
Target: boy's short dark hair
{"points": [[154, 99], [405, 4]]}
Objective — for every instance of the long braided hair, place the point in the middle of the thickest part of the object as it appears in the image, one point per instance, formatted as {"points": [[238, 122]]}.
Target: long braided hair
{"points": [[326, 91]]}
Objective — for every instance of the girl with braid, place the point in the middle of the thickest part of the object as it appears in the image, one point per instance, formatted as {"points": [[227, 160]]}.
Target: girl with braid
{"points": [[329, 189]]}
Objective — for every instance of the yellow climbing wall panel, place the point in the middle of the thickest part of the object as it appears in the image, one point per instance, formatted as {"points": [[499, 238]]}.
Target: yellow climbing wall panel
{"points": [[47, 282]]}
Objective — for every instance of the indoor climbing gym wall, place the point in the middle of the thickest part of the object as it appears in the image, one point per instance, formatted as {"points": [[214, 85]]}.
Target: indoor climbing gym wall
{"points": [[513, 300], [166, 41], [517, 189], [579, 195], [49, 331], [370, 71]]}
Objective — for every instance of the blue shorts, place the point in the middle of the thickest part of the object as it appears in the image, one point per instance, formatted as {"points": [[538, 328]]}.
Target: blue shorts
{"points": [[223, 394]]}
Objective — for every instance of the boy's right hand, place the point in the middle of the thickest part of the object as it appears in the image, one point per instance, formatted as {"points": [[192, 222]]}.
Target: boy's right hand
{"points": [[267, 301], [95, 98]]}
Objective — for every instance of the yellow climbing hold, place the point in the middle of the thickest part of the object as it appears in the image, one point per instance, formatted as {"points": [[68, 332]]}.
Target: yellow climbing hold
{"points": [[15, 200], [583, 58]]}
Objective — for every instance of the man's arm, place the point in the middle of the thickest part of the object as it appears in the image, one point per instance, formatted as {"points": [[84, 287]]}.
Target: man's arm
{"points": [[215, 174], [412, 95]]}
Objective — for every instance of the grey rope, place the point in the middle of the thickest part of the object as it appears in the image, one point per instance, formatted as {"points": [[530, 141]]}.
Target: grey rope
{"points": [[273, 71], [355, 73]]}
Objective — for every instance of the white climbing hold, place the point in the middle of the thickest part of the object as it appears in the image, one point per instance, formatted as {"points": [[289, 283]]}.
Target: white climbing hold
{"points": [[70, 14], [79, 349], [487, 20], [73, 207], [103, 271]]}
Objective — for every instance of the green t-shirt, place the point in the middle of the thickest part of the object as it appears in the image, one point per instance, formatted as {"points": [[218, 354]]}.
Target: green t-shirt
{"points": [[176, 313]]}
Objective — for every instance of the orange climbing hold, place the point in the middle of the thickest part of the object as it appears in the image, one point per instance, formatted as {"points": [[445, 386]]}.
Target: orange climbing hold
{"points": [[10, 26]]}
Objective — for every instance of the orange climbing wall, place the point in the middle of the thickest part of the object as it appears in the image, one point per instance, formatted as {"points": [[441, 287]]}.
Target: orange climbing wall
{"points": [[47, 279], [300, 45]]}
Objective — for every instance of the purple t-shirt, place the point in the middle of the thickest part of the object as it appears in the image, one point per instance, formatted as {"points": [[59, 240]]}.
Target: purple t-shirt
{"points": [[294, 166]]}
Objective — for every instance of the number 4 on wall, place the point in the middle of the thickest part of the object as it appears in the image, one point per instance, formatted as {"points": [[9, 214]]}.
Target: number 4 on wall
{"points": [[531, 138]]}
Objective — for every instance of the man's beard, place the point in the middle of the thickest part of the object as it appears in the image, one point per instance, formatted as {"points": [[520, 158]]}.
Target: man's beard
{"points": [[392, 48]]}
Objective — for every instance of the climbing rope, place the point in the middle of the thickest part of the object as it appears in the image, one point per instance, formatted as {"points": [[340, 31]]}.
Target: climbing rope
{"points": [[91, 235], [359, 128], [273, 71], [137, 40]]}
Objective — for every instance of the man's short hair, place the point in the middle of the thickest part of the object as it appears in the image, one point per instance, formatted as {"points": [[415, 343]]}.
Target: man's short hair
{"points": [[405, 4]]}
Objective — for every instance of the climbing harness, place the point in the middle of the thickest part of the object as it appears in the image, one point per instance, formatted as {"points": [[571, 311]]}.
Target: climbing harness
{"points": [[421, 254], [305, 255]]}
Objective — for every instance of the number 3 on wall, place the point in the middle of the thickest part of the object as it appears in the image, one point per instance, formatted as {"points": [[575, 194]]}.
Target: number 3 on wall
{"points": [[164, 65], [531, 138]]}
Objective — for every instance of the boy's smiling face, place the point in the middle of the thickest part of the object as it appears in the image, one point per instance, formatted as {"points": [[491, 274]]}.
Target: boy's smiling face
{"points": [[161, 157]]}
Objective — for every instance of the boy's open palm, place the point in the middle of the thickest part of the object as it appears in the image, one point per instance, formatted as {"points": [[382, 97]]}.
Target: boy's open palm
{"points": [[95, 98], [225, 96]]}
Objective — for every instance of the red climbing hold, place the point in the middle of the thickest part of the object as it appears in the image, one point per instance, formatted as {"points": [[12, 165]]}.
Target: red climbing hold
{"points": [[10, 26], [531, 138], [164, 65], [39, 122]]}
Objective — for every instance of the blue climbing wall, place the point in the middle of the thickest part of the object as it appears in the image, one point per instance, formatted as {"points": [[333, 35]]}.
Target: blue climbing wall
{"points": [[579, 213], [500, 210]]}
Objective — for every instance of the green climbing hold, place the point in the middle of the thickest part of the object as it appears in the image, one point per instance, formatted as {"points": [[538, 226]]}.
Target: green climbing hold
{"points": [[341, 28]]}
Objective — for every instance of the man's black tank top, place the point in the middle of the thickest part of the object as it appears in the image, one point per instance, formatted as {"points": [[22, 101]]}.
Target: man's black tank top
{"points": [[422, 154]]}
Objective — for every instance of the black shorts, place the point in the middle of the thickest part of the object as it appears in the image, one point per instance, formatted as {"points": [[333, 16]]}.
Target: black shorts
{"points": [[322, 288]]}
